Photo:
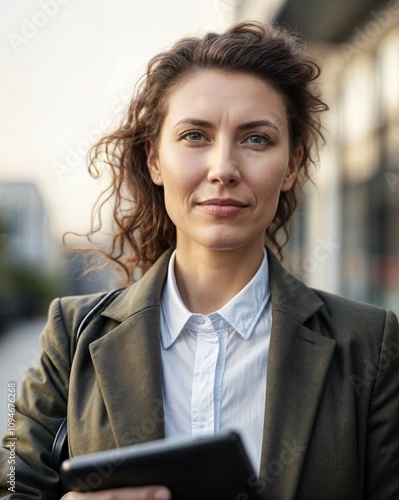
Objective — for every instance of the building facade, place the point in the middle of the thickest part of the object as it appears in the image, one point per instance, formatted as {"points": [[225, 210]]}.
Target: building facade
{"points": [[25, 223]]}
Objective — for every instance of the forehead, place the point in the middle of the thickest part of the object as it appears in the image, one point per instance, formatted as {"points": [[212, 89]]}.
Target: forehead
{"points": [[233, 95]]}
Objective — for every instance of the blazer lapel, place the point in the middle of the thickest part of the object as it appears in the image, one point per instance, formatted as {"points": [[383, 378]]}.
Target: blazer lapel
{"points": [[127, 361], [299, 359]]}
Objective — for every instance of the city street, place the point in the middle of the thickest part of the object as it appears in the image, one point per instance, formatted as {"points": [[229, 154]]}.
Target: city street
{"points": [[19, 349]]}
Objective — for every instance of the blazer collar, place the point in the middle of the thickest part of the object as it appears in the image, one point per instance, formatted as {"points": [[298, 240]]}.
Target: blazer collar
{"points": [[289, 294], [145, 293]]}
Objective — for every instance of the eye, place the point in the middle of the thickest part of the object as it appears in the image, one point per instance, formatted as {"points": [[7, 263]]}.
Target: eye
{"points": [[258, 140], [193, 136]]}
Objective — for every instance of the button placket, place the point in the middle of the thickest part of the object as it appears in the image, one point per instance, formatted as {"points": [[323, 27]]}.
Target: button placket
{"points": [[203, 389]]}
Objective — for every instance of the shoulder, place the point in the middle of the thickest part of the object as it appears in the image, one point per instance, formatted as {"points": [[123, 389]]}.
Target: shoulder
{"points": [[139, 294], [67, 314], [73, 309], [334, 313], [346, 309], [363, 326]]}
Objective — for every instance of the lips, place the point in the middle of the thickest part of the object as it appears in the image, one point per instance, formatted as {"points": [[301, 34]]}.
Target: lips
{"points": [[223, 206], [223, 202]]}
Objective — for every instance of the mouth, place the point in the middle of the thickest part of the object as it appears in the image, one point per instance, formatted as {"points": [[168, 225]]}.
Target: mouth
{"points": [[223, 202], [222, 206]]}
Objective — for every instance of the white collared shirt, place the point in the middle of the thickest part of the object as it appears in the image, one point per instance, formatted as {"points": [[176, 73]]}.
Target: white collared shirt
{"points": [[214, 366]]}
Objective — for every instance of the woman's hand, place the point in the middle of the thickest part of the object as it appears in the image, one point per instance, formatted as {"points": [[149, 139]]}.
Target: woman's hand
{"points": [[143, 493]]}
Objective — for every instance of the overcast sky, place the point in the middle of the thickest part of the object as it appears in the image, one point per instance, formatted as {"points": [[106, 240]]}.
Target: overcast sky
{"points": [[68, 67]]}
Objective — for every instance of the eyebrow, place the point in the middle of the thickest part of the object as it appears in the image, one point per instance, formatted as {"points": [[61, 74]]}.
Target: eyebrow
{"points": [[195, 121], [243, 126], [258, 123]]}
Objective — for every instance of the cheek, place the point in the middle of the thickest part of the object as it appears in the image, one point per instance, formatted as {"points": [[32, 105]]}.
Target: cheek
{"points": [[178, 187], [181, 174], [270, 180]]}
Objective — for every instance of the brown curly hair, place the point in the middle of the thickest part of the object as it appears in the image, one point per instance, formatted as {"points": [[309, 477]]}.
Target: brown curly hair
{"points": [[143, 229]]}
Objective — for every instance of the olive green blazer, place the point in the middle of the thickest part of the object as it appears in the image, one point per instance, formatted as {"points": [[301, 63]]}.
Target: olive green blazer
{"points": [[331, 428]]}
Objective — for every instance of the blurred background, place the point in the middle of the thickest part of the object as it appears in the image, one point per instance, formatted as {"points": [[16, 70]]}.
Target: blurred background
{"points": [[69, 68]]}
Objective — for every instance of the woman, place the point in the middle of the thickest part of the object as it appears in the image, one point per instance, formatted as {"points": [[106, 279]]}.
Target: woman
{"points": [[206, 168]]}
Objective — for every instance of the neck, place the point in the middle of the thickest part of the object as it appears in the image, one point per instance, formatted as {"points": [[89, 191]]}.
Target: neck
{"points": [[208, 279]]}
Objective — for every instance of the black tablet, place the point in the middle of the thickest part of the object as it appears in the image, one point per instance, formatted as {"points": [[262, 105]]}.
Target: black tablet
{"points": [[211, 468]]}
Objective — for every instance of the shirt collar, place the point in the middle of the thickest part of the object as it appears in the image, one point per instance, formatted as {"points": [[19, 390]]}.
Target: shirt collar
{"points": [[174, 314], [242, 312]]}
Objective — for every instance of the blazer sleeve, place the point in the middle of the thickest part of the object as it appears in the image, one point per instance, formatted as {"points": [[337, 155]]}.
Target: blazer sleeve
{"points": [[39, 410], [382, 448]]}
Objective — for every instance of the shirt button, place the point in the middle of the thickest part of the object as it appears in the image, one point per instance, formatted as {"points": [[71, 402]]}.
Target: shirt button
{"points": [[199, 320]]}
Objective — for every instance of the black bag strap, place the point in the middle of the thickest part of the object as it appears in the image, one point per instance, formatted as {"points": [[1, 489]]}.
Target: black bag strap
{"points": [[59, 450]]}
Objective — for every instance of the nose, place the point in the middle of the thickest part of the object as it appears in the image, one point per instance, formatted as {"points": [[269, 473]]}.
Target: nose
{"points": [[223, 164]]}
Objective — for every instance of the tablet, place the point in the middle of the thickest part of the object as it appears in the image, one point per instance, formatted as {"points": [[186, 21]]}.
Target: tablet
{"points": [[211, 468]]}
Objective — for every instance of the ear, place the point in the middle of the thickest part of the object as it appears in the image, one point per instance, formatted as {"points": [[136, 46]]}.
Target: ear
{"points": [[292, 170], [153, 163]]}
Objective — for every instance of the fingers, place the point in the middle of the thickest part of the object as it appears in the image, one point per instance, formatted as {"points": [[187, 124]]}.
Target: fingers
{"points": [[145, 493]]}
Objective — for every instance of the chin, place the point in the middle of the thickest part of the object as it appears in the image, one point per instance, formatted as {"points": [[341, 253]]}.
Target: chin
{"points": [[222, 239], [227, 244]]}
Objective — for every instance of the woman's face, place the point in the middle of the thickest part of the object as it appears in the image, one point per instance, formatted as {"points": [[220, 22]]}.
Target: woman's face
{"points": [[223, 159]]}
